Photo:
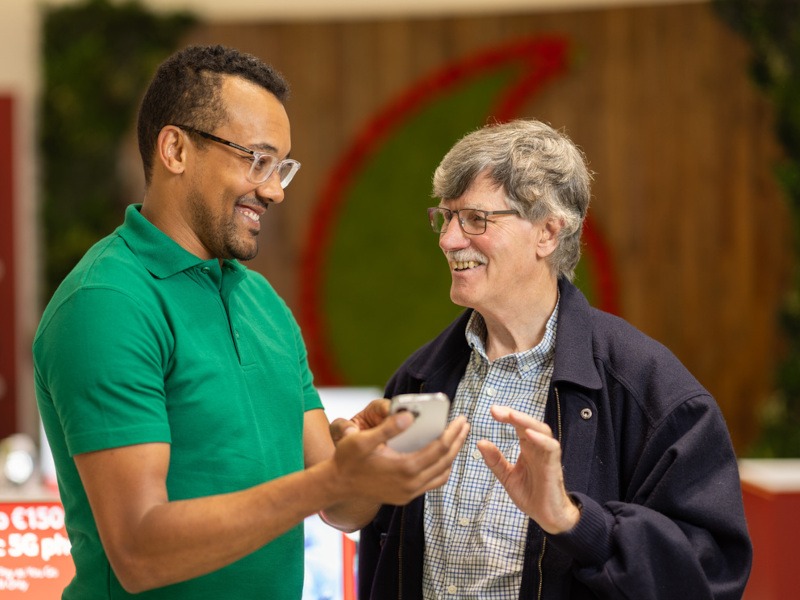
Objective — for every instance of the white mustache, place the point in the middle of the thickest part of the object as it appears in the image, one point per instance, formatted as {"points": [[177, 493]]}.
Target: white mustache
{"points": [[465, 256]]}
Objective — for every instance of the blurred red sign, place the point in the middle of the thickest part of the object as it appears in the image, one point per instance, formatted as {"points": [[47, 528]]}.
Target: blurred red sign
{"points": [[35, 559]]}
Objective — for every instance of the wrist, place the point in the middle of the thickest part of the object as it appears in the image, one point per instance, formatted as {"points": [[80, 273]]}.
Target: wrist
{"points": [[568, 518], [328, 481]]}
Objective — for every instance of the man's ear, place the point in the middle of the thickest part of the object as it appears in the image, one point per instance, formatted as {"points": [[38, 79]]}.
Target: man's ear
{"points": [[548, 236], [171, 149]]}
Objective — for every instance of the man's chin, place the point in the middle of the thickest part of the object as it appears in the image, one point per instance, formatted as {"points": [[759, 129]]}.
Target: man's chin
{"points": [[460, 299], [242, 253]]}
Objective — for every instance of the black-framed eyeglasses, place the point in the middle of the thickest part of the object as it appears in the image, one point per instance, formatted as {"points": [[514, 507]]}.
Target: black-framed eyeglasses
{"points": [[472, 220], [263, 165]]}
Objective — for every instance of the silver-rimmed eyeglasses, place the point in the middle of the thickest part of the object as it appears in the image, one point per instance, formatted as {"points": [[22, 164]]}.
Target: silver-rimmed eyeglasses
{"points": [[472, 220], [263, 165]]}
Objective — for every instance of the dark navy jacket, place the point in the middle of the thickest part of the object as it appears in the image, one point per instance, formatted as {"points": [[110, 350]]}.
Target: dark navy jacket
{"points": [[646, 453]]}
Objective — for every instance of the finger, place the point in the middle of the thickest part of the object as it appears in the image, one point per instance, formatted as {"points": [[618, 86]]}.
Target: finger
{"points": [[494, 459], [434, 461], [378, 408], [454, 437], [446, 446], [457, 428], [390, 427], [503, 414], [519, 420], [543, 442], [341, 428], [373, 414]]}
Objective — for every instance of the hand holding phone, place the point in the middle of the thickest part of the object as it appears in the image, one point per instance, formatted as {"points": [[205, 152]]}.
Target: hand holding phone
{"points": [[430, 419]]}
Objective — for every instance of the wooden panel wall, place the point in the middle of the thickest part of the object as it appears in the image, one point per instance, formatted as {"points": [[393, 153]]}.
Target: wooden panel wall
{"points": [[679, 139]]}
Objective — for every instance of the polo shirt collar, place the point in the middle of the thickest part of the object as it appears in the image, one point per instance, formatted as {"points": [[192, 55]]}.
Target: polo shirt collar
{"points": [[159, 253]]}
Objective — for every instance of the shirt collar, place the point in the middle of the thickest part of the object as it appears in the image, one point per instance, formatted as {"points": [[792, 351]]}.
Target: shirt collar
{"points": [[159, 253], [525, 360]]}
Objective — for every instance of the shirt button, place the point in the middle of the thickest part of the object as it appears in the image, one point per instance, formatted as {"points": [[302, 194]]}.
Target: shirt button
{"points": [[490, 391], [451, 589], [206, 269], [463, 521], [476, 454], [586, 414]]}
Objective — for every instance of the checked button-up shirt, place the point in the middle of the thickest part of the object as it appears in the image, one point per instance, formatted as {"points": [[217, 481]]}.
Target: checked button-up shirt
{"points": [[474, 534]]}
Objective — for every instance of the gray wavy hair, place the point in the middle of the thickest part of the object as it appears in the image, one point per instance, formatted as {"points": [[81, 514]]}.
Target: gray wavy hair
{"points": [[543, 173]]}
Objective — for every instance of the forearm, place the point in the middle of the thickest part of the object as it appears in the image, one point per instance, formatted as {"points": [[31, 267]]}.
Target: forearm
{"points": [[683, 514], [176, 541], [625, 545], [152, 542]]}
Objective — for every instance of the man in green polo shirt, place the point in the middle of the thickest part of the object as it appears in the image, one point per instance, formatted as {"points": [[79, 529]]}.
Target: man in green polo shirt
{"points": [[173, 384]]}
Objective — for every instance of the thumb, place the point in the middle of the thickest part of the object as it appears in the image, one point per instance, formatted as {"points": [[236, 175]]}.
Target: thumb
{"points": [[391, 426], [493, 458]]}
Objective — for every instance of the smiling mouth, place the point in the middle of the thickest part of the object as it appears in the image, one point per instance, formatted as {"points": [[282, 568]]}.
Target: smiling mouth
{"points": [[249, 213], [464, 265]]}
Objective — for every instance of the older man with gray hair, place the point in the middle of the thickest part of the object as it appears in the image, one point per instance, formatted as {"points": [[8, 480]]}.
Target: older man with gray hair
{"points": [[596, 465]]}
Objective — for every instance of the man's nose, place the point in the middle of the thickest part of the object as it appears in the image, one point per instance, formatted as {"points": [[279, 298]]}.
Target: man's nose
{"points": [[271, 190], [453, 237]]}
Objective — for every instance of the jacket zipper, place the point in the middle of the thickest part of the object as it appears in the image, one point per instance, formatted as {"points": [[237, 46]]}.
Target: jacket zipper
{"points": [[400, 554], [541, 573], [402, 537], [544, 537]]}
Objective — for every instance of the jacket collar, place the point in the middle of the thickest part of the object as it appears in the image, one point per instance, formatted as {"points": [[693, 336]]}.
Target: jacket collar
{"points": [[574, 356], [574, 359]]}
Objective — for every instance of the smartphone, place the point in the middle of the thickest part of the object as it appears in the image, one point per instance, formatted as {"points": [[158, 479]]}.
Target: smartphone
{"points": [[430, 419]]}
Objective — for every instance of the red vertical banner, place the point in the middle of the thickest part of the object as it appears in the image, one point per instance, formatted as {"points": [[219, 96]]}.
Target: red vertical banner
{"points": [[8, 371], [349, 551]]}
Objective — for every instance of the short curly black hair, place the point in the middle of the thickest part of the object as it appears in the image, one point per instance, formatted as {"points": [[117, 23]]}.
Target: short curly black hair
{"points": [[186, 90]]}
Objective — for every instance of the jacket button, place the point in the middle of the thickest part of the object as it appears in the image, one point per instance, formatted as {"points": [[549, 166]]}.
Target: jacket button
{"points": [[586, 414]]}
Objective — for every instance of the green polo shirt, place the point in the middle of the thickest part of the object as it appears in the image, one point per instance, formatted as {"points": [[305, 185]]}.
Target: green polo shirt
{"points": [[145, 342]]}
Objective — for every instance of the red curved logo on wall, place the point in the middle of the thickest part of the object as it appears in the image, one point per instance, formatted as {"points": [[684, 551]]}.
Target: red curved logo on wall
{"points": [[532, 63]]}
